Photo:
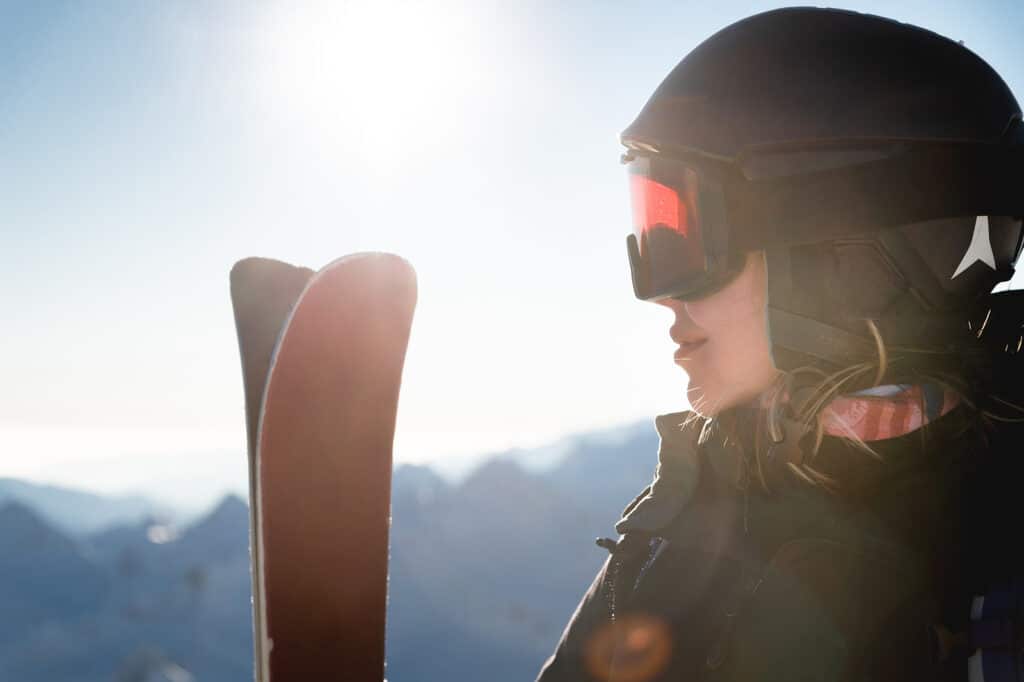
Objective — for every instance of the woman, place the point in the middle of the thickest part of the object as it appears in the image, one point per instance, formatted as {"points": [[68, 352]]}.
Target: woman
{"points": [[825, 200]]}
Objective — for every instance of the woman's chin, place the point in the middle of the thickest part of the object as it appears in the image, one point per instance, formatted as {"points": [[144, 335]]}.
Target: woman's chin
{"points": [[711, 403], [705, 404]]}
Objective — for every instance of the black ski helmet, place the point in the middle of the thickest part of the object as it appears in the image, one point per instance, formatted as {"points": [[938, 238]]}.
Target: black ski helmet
{"points": [[879, 166]]}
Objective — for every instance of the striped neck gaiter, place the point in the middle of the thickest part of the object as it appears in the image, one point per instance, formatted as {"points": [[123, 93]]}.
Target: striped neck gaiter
{"points": [[886, 411]]}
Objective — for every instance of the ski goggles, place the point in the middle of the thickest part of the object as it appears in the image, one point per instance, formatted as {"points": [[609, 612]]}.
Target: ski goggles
{"points": [[679, 244], [685, 245]]}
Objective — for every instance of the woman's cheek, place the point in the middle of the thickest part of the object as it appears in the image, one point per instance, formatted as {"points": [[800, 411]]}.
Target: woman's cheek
{"points": [[735, 304]]}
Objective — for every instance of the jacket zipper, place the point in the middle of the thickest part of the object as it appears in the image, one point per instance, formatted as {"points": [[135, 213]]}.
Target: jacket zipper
{"points": [[612, 576], [654, 549]]}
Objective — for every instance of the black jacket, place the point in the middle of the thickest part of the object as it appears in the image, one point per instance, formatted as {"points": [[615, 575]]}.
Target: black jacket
{"points": [[716, 578]]}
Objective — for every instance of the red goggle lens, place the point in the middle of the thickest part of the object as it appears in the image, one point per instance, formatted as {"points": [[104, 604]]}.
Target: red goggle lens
{"points": [[654, 205], [669, 245]]}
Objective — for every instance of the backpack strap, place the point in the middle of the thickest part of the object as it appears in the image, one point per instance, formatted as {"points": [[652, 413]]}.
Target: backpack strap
{"points": [[996, 634]]}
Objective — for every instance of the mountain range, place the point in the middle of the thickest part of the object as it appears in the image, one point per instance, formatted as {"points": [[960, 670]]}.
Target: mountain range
{"points": [[77, 512], [485, 572]]}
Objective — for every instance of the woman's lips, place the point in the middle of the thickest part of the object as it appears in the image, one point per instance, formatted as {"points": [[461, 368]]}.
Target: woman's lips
{"points": [[687, 348]]}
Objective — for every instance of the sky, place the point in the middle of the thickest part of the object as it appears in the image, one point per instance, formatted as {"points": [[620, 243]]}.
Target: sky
{"points": [[147, 146]]}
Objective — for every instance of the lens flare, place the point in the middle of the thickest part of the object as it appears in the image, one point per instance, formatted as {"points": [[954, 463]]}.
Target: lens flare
{"points": [[633, 648]]}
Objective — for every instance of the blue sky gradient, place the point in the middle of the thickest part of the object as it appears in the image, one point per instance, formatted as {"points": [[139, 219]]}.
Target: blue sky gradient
{"points": [[146, 146]]}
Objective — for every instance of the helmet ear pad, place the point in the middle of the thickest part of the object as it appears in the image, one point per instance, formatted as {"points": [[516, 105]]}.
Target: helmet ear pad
{"points": [[843, 282], [821, 295]]}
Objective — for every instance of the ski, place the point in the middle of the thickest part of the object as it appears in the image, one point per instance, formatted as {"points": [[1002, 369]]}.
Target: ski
{"points": [[322, 357], [263, 292]]}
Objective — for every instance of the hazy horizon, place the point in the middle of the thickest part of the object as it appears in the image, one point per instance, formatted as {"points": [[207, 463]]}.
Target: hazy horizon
{"points": [[206, 487]]}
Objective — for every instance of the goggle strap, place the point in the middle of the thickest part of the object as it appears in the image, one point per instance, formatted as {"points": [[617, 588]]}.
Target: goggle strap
{"points": [[976, 179]]}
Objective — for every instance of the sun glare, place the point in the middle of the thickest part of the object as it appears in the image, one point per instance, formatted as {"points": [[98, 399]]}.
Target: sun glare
{"points": [[384, 80]]}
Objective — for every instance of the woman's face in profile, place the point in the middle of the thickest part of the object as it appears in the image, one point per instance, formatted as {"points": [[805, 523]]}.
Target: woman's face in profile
{"points": [[723, 341]]}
